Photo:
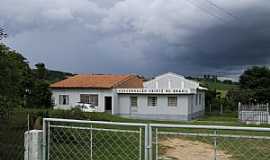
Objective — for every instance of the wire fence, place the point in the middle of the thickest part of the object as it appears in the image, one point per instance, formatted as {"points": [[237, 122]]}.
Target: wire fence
{"points": [[94, 141], [90, 140], [210, 143]]}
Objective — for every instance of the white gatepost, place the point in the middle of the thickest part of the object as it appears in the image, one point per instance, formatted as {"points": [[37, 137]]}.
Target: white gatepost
{"points": [[267, 105], [33, 145]]}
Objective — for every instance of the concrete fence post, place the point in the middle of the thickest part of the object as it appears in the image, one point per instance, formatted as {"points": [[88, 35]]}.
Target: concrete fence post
{"points": [[33, 145], [215, 145], [268, 117], [239, 111]]}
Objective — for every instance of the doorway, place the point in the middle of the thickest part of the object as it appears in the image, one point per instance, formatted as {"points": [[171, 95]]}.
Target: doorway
{"points": [[108, 103]]}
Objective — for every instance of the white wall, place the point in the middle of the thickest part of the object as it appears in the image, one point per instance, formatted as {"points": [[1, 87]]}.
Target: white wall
{"points": [[161, 110], [200, 106], [115, 102], [196, 110], [171, 81], [74, 97]]}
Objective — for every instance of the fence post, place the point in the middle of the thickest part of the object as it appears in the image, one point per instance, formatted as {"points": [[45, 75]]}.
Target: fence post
{"points": [[239, 111], [48, 143], [140, 144], [33, 144], [28, 132], [239, 107], [150, 142], [146, 142], [267, 105], [215, 145], [221, 109], [44, 139], [91, 136], [156, 143]]}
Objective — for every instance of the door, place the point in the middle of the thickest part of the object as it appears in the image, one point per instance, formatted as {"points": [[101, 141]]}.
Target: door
{"points": [[108, 103]]}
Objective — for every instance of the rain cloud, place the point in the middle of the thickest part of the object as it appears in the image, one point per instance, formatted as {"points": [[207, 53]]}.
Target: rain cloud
{"points": [[140, 36]]}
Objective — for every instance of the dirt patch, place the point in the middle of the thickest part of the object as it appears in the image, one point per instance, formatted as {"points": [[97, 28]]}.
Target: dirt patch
{"points": [[182, 149]]}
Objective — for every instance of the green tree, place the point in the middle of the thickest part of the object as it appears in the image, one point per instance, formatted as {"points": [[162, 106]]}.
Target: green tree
{"points": [[40, 72], [2, 33], [39, 94], [14, 78], [20, 85], [227, 82], [254, 87], [212, 99], [256, 82], [255, 78]]}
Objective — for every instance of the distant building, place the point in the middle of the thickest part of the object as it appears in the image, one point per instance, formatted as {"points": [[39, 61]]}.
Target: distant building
{"points": [[166, 97]]}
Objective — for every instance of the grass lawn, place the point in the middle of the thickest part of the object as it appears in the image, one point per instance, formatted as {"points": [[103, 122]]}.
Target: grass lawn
{"points": [[226, 119], [218, 118]]}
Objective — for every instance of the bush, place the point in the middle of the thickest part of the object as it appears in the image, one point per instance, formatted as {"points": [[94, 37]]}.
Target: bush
{"points": [[74, 113]]}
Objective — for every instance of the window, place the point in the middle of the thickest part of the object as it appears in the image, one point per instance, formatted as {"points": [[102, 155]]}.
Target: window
{"points": [[89, 99], [172, 101], [64, 100], [133, 101], [152, 101]]}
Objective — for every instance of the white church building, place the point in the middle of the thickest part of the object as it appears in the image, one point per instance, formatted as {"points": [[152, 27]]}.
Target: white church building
{"points": [[166, 97]]}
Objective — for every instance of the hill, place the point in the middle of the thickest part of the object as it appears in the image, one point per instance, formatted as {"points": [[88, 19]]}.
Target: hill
{"points": [[54, 76], [220, 86]]}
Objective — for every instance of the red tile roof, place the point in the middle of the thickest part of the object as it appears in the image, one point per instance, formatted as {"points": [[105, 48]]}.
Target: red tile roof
{"points": [[95, 81]]}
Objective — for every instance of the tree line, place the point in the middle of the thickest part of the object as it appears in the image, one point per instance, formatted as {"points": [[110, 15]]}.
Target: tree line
{"points": [[254, 88], [20, 85]]}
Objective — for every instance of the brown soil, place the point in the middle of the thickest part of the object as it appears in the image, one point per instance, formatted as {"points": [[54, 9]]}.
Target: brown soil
{"points": [[181, 149]]}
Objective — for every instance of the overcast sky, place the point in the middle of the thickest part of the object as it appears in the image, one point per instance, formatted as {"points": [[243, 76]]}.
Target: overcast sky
{"points": [[190, 37]]}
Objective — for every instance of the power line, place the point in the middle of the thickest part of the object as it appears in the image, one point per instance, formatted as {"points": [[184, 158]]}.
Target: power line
{"points": [[207, 11], [222, 9]]}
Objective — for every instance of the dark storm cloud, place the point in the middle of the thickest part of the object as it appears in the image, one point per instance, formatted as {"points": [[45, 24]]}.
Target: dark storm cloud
{"points": [[139, 36], [245, 41], [228, 46]]}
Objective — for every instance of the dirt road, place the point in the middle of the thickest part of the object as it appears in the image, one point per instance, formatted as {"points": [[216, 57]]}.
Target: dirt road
{"points": [[181, 149]]}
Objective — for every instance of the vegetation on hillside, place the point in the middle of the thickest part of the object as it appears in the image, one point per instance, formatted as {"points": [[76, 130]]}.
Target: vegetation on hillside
{"points": [[215, 98], [22, 86], [254, 86], [54, 76], [2, 33], [221, 87]]}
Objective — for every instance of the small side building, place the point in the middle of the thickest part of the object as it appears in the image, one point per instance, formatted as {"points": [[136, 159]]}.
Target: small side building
{"points": [[166, 97]]}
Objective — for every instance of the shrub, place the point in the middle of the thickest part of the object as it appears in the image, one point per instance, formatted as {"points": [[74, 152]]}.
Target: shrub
{"points": [[74, 113]]}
